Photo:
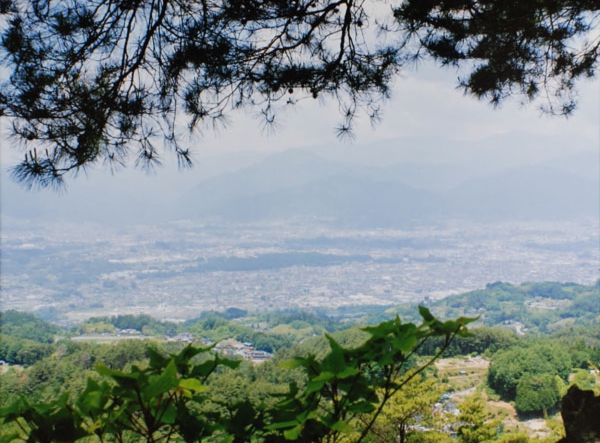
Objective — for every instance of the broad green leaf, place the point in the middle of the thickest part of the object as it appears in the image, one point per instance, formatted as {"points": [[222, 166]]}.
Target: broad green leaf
{"points": [[190, 352], [293, 434], [170, 414], [406, 329], [465, 333], [405, 344], [166, 381], [314, 386], [107, 372], [91, 400], [362, 407], [334, 361], [10, 438], [204, 369], [245, 414], [342, 426], [192, 384], [127, 380], [282, 425], [15, 409], [382, 329], [450, 326], [227, 362], [323, 377], [94, 396], [91, 385], [349, 371], [467, 320], [426, 314], [292, 364], [157, 360]]}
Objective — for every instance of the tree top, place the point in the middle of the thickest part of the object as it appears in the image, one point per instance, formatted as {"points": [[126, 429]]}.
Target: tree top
{"points": [[94, 81]]}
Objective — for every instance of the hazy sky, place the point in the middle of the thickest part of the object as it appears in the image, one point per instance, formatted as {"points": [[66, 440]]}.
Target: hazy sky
{"points": [[425, 102]]}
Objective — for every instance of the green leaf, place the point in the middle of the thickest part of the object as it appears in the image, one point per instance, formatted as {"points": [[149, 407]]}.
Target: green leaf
{"points": [[362, 407], [467, 320], [245, 415], [382, 329], [227, 362], [349, 371], [92, 401], [190, 352], [169, 415], [93, 397], [107, 372], [342, 426], [15, 409], [292, 364], [157, 360], [124, 379], [204, 369], [450, 327], [314, 386], [293, 434], [9, 438], [323, 377], [405, 344], [426, 314], [192, 384], [183, 359], [282, 425], [166, 381], [334, 361]]}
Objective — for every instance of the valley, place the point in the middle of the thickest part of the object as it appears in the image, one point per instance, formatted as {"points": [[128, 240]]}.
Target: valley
{"points": [[175, 271]]}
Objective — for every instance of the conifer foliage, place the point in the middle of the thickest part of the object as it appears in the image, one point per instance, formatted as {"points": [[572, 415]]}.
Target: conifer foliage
{"points": [[95, 81]]}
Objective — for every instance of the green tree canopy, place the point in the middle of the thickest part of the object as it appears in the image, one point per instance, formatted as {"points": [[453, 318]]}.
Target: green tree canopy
{"points": [[27, 326], [509, 367], [476, 424], [171, 399], [93, 80], [537, 393]]}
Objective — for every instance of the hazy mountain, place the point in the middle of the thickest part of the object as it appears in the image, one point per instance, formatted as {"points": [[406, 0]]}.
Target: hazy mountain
{"points": [[527, 192], [297, 183], [434, 177], [583, 164], [129, 196], [348, 198], [480, 157], [437, 179]]}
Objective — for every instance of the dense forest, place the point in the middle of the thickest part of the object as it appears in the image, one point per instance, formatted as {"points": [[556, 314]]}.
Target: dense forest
{"points": [[330, 378], [537, 307]]}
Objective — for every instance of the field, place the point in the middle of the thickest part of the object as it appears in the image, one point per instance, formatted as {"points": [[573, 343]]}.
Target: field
{"points": [[465, 375]]}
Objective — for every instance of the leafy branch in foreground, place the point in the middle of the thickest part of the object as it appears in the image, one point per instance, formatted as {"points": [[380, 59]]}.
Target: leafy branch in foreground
{"points": [[110, 81], [341, 398]]}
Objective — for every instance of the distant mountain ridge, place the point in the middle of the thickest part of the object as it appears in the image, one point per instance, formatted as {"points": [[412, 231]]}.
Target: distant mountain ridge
{"points": [[527, 192], [302, 183], [291, 184]]}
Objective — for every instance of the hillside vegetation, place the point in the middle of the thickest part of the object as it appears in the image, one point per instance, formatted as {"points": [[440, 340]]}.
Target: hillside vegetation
{"points": [[535, 307], [352, 369]]}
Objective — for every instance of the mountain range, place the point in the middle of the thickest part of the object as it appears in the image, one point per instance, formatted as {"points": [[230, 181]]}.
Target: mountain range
{"points": [[313, 183]]}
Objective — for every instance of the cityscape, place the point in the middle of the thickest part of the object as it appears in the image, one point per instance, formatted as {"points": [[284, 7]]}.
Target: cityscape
{"points": [[175, 271]]}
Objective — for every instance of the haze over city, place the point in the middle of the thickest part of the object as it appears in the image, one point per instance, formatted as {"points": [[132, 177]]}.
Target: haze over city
{"points": [[438, 165]]}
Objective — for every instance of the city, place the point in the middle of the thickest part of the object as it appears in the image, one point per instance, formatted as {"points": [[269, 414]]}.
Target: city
{"points": [[176, 271]]}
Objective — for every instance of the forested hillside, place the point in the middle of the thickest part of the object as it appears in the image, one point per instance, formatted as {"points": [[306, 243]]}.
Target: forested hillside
{"points": [[525, 371], [535, 307]]}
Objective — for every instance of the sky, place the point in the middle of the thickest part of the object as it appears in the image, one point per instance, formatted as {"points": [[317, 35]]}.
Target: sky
{"points": [[424, 102]]}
